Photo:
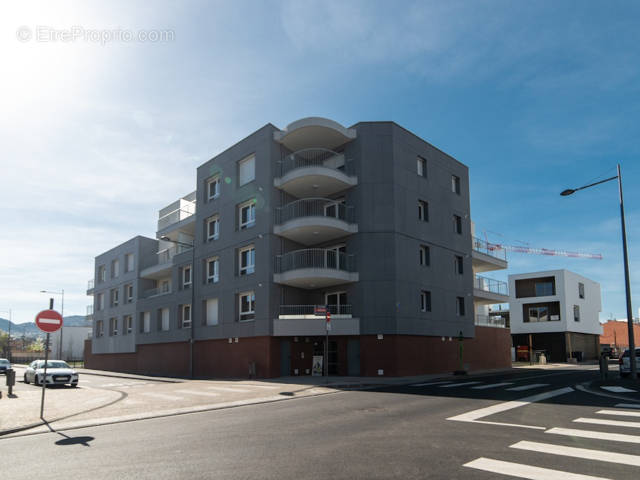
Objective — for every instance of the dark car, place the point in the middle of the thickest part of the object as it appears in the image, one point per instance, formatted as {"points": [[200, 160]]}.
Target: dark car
{"points": [[4, 365]]}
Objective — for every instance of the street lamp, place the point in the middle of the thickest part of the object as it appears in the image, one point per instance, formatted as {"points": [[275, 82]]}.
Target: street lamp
{"points": [[632, 346], [61, 292], [193, 294]]}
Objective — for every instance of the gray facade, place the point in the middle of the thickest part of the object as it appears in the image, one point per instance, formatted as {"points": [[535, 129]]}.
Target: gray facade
{"points": [[362, 249]]}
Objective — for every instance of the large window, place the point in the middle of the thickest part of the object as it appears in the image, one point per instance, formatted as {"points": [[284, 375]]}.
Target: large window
{"points": [[535, 287], [113, 326], [213, 187], [544, 289], [457, 224], [246, 307], [102, 274], [99, 328], [115, 297], [212, 311], [213, 267], [460, 311], [538, 314], [186, 277], [423, 211], [128, 293], [145, 322], [424, 255], [128, 262], [455, 184], [581, 290], [246, 170], [213, 228], [458, 264], [164, 319], [247, 260], [128, 324], [100, 302], [422, 166], [115, 268], [576, 313], [185, 318], [425, 301], [247, 214]]}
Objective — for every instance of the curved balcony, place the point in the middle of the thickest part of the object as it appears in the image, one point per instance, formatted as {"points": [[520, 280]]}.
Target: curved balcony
{"points": [[314, 132], [315, 172], [314, 220], [315, 268]]}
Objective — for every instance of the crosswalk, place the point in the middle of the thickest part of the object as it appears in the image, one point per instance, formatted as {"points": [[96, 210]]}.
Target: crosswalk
{"points": [[479, 385], [605, 447]]}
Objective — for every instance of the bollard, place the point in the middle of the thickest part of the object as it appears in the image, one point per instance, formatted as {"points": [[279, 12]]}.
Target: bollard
{"points": [[604, 367], [11, 381]]}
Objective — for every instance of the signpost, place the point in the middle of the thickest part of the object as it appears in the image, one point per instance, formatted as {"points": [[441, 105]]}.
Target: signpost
{"points": [[323, 310], [48, 321]]}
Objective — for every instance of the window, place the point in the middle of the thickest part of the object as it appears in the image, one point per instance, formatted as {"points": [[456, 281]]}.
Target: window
{"points": [[455, 184], [128, 293], [460, 306], [425, 301], [186, 316], [115, 268], [102, 274], [247, 302], [115, 297], [100, 304], [581, 290], [128, 262], [165, 286], [99, 328], [246, 170], [213, 228], [425, 255], [457, 224], [164, 319], [458, 264], [212, 311], [247, 260], [247, 214], [337, 303], [128, 324], [423, 211], [186, 277], [213, 266], [538, 314], [576, 313], [544, 289], [113, 326], [422, 166], [145, 322], [213, 187]]}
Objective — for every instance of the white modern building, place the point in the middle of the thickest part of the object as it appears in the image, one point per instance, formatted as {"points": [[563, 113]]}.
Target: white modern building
{"points": [[72, 343], [556, 311]]}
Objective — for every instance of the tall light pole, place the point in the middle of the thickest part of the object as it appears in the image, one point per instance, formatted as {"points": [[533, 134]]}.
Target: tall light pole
{"points": [[632, 346], [193, 294], [61, 292]]}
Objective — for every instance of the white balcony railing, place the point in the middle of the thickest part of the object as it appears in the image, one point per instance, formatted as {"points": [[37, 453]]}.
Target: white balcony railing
{"points": [[491, 285], [490, 321]]}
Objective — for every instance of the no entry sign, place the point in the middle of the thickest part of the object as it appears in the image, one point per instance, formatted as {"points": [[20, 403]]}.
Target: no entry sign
{"points": [[49, 321]]}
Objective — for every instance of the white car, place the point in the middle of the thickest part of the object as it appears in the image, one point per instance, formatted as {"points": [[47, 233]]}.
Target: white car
{"points": [[625, 362], [58, 373]]}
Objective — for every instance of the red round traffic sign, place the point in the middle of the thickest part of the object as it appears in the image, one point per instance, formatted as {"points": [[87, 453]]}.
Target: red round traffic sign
{"points": [[49, 321]]}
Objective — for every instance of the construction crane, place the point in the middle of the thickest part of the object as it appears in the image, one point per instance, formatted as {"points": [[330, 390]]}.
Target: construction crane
{"points": [[542, 251]]}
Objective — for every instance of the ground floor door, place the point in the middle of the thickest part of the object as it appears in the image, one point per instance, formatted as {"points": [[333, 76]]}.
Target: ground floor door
{"points": [[353, 357], [285, 358], [319, 350]]}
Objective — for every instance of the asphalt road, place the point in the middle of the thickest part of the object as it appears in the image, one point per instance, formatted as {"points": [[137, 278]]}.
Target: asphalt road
{"points": [[396, 432]]}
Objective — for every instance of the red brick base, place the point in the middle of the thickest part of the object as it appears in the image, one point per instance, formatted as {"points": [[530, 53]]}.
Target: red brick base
{"points": [[394, 355]]}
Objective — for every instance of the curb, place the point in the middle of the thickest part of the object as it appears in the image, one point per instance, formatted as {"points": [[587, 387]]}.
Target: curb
{"points": [[131, 377]]}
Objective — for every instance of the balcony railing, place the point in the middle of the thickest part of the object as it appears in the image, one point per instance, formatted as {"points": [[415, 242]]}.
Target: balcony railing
{"points": [[305, 310], [490, 321], [482, 246], [166, 255], [176, 215], [316, 157], [315, 207], [154, 292], [491, 285], [90, 284], [315, 258], [89, 310]]}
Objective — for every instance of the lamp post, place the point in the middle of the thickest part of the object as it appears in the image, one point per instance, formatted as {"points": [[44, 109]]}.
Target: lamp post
{"points": [[61, 292], [193, 294], [632, 346], [9, 345]]}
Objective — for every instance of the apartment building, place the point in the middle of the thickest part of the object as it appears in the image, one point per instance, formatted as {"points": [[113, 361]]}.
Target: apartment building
{"points": [[557, 312], [370, 221]]}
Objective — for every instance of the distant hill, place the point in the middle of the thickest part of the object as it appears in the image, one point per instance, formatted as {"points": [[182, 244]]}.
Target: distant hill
{"points": [[30, 329]]}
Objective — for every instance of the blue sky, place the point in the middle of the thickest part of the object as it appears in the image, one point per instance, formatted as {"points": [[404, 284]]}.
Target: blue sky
{"points": [[533, 96]]}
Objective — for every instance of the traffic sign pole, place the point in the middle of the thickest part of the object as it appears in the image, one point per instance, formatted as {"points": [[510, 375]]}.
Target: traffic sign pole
{"points": [[48, 321], [46, 359]]}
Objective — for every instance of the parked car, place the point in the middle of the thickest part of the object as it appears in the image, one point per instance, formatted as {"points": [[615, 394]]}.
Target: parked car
{"points": [[625, 362], [4, 365], [609, 351], [58, 373]]}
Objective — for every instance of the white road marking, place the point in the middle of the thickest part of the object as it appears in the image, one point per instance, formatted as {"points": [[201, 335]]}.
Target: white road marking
{"points": [[458, 384], [525, 471], [161, 395], [269, 387], [618, 412], [229, 389], [493, 385], [198, 392], [600, 455], [617, 389], [613, 423], [616, 437], [527, 387], [476, 415], [429, 383], [628, 405]]}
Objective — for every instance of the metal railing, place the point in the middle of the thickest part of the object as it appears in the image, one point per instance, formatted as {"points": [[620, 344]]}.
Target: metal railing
{"points": [[315, 258], [89, 310], [166, 255], [310, 310], [176, 215], [91, 284], [491, 285], [490, 321], [482, 246], [314, 207], [316, 157], [154, 292]]}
